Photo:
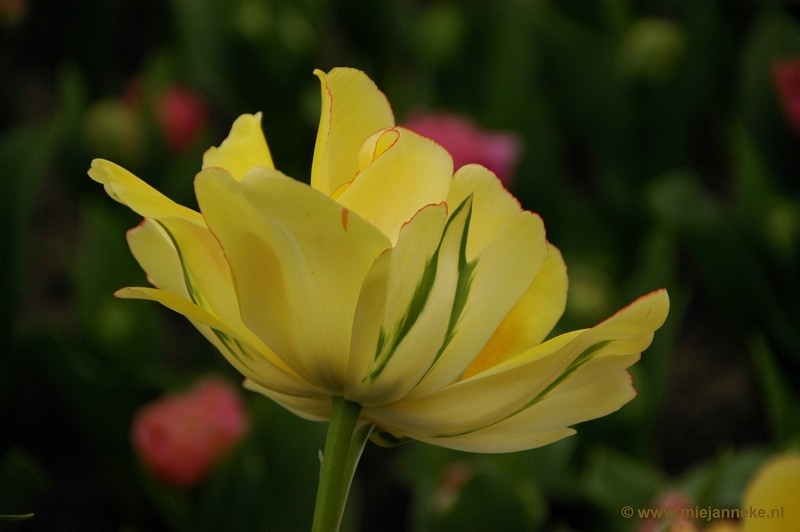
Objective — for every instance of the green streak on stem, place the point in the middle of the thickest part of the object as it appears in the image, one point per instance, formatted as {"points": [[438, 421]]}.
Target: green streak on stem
{"points": [[343, 447]]}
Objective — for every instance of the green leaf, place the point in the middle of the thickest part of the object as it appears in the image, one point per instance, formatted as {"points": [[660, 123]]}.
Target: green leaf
{"points": [[782, 406], [612, 480], [721, 484], [22, 480], [21, 517]]}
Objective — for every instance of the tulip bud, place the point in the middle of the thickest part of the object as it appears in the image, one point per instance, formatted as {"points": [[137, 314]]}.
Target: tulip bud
{"points": [[786, 75], [497, 151], [114, 129], [181, 437], [590, 292], [782, 226], [651, 47], [439, 33], [181, 114]]}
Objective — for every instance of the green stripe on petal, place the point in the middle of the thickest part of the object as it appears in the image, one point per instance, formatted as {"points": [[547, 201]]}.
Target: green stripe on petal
{"points": [[298, 268], [494, 206], [500, 391], [422, 295], [155, 253], [408, 306], [489, 287], [599, 387], [580, 360]]}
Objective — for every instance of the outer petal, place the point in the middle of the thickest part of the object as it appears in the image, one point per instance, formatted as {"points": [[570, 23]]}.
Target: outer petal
{"points": [[405, 305], [206, 272], [313, 407], [401, 173], [513, 386], [143, 199], [531, 319], [493, 205], [352, 109], [597, 388], [186, 259], [298, 259], [244, 148], [485, 298], [157, 256], [166, 268], [252, 358]]}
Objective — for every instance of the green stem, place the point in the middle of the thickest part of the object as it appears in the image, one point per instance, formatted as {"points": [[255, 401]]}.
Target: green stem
{"points": [[343, 446]]}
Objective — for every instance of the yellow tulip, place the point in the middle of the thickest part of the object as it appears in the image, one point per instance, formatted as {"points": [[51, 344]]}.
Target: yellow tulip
{"points": [[422, 296], [390, 293]]}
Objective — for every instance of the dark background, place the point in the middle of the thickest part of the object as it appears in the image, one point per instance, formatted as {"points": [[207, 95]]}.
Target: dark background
{"points": [[657, 150]]}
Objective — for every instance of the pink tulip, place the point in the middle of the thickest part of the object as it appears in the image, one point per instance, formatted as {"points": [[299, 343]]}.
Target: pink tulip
{"points": [[181, 437], [181, 113], [786, 75], [497, 151]]}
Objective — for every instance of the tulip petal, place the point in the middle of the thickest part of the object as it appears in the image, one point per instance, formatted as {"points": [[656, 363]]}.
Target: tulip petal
{"points": [[401, 173], [405, 305], [597, 388], [207, 274], [298, 259], [186, 259], [518, 251], [352, 109], [313, 407], [531, 319], [511, 387], [249, 356], [244, 148], [493, 205], [143, 199], [154, 252]]}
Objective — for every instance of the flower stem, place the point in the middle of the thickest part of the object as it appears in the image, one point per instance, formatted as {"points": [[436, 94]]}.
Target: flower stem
{"points": [[343, 446]]}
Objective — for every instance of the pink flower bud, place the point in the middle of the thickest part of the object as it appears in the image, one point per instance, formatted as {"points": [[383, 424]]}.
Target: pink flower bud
{"points": [[181, 437], [786, 75], [181, 115], [497, 151]]}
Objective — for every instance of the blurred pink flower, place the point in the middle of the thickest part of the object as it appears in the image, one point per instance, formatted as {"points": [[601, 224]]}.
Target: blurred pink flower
{"points": [[181, 115], [670, 500], [181, 437], [497, 151], [455, 477], [786, 75]]}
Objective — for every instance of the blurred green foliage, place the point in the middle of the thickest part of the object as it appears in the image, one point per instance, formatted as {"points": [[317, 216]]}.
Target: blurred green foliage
{"points": [[657, 151]]}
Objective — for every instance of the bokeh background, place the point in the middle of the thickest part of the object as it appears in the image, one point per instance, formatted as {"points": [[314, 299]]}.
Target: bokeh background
{"points": [[660, 147]]}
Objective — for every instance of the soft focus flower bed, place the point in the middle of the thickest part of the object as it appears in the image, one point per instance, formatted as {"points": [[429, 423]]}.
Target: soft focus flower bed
{"points": [[657, 143]]}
